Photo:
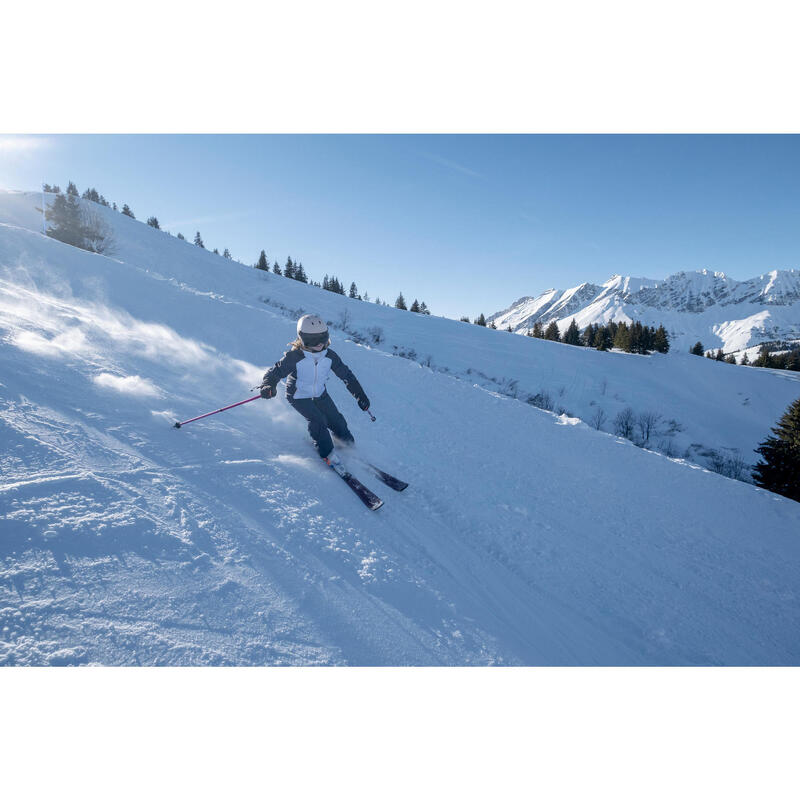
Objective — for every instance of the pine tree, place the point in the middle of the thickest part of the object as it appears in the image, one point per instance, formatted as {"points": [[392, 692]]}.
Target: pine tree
{"points": [[589, 335], [730, 359], [538, 330], [622, 338], [423, 309], [153, 223], [262, 262], [300, 273], [114, 206], [697, 349], [661, 340], [764, 358], [552, 333], [780, 469], [127, 211], [401, 302], [464, 319], [573, 335], [481, 320], [276, 269], [65, 215], [415, 306], [215, 251], [198, 240], [720, 356], [72, 189], [181, 237], [640, 338], [353, 291], [745, 362], [226, 253], [288, 269]]}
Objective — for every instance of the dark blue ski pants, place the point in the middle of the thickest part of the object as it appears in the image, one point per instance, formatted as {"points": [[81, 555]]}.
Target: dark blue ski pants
{"points": [[322, 416]]}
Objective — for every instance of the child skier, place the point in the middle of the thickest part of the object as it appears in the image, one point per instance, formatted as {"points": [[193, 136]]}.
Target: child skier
{"points": [[306, 368]]}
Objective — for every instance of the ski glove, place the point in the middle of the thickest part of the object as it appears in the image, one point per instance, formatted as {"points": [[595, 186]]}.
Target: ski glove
{"points": [[363, 402], [267, 391]]}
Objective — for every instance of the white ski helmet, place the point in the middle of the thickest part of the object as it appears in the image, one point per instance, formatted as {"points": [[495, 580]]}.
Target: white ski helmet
{"points": [[312, 331]]}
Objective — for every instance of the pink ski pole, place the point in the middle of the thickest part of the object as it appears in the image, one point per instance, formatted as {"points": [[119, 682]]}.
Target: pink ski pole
{"points": [[210, 413]]}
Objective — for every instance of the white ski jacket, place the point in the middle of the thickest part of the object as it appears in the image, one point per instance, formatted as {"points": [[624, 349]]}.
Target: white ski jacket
{"points": [[306, 374]]}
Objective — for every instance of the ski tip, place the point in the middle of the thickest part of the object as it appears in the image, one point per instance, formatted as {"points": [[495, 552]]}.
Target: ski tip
{"points": [[376, 506]]}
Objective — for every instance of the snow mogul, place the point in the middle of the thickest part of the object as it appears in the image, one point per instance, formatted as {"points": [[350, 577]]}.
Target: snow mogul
{"points": [[307, 367]]}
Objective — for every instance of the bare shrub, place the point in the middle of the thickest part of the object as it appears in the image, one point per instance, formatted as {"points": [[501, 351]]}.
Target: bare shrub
{"points": [[541, 400], [647, 424], [598, 418], [735, 467], [97, 234], [716, 461], [403, 353], [730, 465], [667, 447], [624, 423]]}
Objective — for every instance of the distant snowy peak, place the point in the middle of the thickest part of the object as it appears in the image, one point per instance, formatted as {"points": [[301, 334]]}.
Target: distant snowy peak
{"points": [[780, 287], [626, 286], [693, 304], [697, 291]]}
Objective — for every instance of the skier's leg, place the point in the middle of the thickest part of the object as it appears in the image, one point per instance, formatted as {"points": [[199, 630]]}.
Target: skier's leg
{"points": [[317, 425], [334, 419]]}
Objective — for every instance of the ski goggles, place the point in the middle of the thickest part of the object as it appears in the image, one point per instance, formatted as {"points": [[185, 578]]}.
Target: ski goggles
{"points": [[312, 340]]}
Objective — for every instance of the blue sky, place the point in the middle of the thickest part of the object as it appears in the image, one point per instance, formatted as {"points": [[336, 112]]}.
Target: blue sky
{"points": [[466, 223]]}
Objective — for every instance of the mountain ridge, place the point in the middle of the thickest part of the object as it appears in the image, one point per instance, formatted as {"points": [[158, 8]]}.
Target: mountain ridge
{"points": [[692, 305]]}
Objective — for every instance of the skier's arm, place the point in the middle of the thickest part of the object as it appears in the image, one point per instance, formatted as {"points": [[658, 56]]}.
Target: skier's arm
{"points": [[342, 371], [281, 369]]}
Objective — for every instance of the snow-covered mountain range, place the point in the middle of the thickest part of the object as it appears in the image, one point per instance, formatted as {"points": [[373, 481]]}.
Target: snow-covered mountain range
{"points": [[530, 533], [693, 306]]}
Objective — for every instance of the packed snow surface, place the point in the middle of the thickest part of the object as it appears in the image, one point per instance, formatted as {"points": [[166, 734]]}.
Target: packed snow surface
{"points": [[525, 537]]}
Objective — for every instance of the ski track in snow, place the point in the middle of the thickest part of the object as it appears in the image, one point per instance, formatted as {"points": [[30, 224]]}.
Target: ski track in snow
{"points": [[524, 537]]}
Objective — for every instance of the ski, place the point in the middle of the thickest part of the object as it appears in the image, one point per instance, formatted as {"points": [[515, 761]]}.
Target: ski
{"points": [[367, 497], [389, 480]]}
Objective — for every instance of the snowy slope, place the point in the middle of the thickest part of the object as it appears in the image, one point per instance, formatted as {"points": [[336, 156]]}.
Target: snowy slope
{"points": [[705, 306], [525, 537]]}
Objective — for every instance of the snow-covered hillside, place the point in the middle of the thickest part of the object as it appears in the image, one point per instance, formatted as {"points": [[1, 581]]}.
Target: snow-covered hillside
{"points": [[526, 537], [705, 306]]}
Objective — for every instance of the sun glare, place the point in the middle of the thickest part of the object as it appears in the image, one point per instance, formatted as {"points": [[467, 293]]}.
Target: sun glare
{"points": [[21, 144]]}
